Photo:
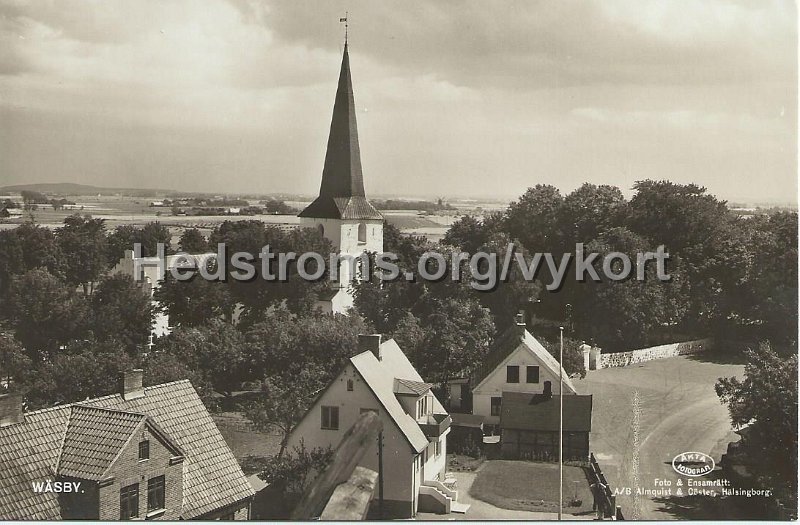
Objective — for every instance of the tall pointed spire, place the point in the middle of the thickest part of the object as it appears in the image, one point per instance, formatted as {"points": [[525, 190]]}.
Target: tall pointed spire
{"points": [[341, 194]]}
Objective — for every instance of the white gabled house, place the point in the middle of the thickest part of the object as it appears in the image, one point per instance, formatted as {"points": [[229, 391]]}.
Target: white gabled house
{"points": [[415, 426], [517, 362]]}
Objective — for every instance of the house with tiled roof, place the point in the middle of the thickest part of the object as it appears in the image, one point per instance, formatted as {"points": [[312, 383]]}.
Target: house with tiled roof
{"points": [[516, 362], [415, 427], [142, 453]]}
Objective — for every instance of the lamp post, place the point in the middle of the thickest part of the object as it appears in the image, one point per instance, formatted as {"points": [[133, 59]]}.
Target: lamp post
{"points": [[561, 423]]}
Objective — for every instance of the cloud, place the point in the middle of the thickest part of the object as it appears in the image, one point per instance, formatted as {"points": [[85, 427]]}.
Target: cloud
{"points": [[236, 95]]}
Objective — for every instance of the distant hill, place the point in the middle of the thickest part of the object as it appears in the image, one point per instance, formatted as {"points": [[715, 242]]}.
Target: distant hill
{"points": [[70, 188]]}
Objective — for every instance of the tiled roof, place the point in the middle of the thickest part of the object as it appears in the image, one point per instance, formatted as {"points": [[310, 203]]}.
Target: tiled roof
{"points": [[380, 377], [506, 344], [29, 451], [93, 439], [407, 386], [540, 412], [326, 207]]}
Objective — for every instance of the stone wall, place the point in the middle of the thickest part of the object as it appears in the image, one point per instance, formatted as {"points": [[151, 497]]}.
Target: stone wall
{"points": [[654, 352]]}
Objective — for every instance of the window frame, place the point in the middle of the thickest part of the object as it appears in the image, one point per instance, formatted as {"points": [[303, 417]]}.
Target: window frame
{"points": [[155, 484], [129, 499], [528, 370], [495, 403], [509, 368], [144, 445], [329, 411]]}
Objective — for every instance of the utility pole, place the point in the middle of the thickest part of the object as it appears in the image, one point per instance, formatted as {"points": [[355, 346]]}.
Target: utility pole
{"points": [[561, 423], [380, 474]]}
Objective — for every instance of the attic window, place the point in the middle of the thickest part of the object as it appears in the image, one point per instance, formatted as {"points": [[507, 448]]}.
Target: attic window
{"points": [[144, 450], [349, 385], [512, 374]]}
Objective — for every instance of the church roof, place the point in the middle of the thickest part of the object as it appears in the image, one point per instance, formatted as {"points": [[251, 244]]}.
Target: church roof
{"points": [[341, 194]]}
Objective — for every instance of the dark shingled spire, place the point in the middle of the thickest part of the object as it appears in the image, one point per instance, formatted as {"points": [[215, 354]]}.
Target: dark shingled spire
{"points": [[341, 195]]}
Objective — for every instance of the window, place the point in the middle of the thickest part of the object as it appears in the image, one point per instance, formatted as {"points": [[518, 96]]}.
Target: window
{"points": [[349, 385], [155, 493], [512, 374], [533, 374], [496, 402], [144, 450], [330, 418], [437, 449], [422, 407], [321, 229], [362, 232], [129, 502]]}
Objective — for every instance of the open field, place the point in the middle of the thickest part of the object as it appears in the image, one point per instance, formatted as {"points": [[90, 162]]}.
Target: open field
{"points": [[678, 411], [119, 210]]}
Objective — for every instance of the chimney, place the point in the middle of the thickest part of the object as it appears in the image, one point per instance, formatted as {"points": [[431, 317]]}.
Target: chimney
{"points": [[519, 319], [370, 343], [131, 384], [11, 409]]}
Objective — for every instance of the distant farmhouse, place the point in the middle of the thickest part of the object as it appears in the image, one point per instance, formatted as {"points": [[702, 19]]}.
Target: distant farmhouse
{"points": [[515, 395], [415, 426], [142, 453]]}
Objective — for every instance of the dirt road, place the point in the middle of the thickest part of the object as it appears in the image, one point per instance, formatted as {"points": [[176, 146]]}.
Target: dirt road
{"points": [[645, 415]]}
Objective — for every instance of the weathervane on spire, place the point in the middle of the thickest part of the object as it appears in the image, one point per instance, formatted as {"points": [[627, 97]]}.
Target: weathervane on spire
{"points": [[344, 19]]}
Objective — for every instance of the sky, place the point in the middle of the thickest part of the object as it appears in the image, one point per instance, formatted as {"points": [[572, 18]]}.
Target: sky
{"points": [[455, 98]]}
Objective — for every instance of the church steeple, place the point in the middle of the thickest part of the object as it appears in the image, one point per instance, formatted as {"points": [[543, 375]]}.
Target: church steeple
{"points": [[341, 194]]}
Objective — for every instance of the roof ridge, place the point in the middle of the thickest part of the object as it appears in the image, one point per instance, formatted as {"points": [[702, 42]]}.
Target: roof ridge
{"points": [[105, 409], [101, 398]]}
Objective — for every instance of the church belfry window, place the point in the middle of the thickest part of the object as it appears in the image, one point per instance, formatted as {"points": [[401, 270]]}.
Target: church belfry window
{"points": [[362, 232]]}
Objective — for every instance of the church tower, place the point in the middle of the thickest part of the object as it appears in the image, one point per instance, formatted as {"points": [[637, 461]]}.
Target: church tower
{"points": [[342, 212]]}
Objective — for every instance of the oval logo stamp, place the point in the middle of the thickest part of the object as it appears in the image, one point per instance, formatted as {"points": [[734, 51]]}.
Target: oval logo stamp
{"points": [[693, 464]]}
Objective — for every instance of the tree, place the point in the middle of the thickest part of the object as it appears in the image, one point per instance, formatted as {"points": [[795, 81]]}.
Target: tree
{"points": [[148, 236], [622, 315], [194, 302], [15, 366], [766, 400], [45, 313], [291, 472], [699, 229], [284, 343], [451, 340], [284, 401], [121, 310], [533, 219], [193, 241], [215, 351], [259, 293], [467, 233], [573, 355], [90, 370], [84, 246], [589, 211]]}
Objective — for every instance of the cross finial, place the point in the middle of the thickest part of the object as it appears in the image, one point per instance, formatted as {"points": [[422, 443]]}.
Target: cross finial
{"points": [[344, 19]]}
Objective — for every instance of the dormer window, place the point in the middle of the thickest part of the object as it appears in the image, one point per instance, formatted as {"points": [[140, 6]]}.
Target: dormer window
{"points": [[144, 450]]}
